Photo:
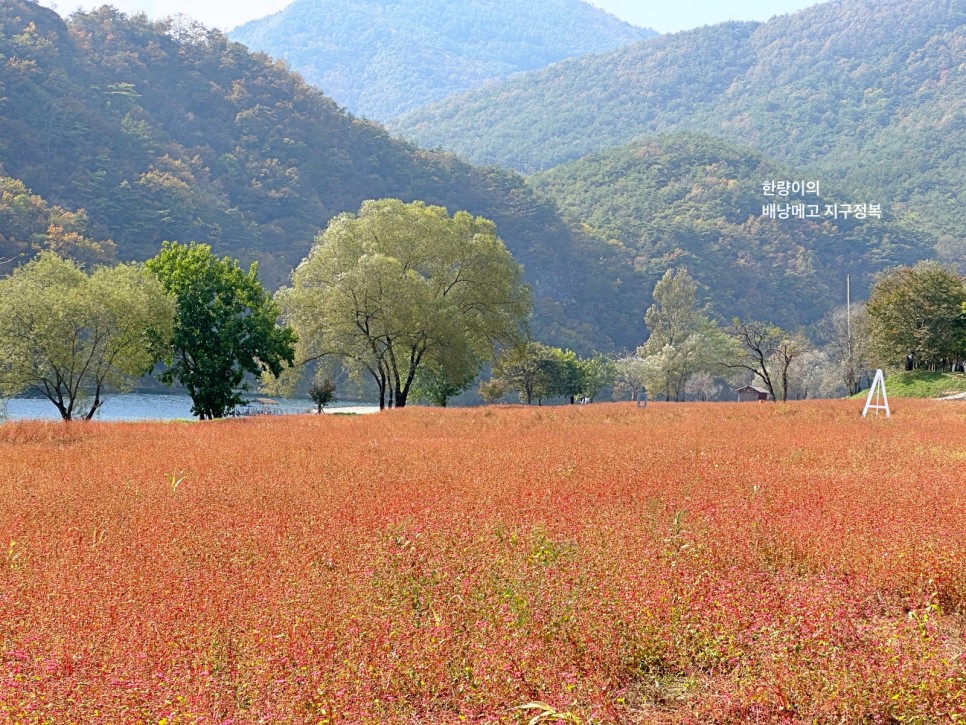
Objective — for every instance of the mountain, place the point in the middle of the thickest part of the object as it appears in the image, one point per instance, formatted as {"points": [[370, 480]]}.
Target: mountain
{"points": [[117, 133], [709, 205], [28, 224], [864, 94], [381, 58], [127, 132]]}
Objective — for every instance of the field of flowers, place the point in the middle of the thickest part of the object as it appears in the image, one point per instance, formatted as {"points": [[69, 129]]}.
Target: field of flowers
{"points": [[681, 564]]}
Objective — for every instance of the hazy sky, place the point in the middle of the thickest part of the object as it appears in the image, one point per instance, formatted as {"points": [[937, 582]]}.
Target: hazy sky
{"points": [[669, 16], [665, 16]]}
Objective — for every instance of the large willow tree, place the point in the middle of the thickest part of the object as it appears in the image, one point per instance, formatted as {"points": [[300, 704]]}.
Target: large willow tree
{"points": [[71, 336], [399, 288]]}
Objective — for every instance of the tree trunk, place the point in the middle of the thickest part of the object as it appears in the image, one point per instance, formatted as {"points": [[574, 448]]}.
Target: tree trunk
{"points": [[96, 404], [381, 384]]}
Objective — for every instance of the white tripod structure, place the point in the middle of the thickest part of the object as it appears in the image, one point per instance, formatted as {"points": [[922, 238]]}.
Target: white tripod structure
{"points": [[881, 399]]}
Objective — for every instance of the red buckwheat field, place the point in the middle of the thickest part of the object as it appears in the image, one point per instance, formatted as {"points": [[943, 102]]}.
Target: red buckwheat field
{"points": [[692, 563]]}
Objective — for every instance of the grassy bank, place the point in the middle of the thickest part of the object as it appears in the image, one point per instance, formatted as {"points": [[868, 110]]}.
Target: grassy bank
{"points": [[922, 384]]}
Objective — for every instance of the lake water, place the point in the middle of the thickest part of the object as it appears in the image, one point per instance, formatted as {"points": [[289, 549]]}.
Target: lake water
{"points": [[159, 406]]}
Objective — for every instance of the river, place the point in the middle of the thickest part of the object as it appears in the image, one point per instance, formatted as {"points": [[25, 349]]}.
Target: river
{"points": [[160, 406]]}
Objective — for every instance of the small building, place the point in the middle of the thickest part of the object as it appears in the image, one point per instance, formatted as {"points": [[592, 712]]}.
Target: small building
{"points": [[750, 394]]}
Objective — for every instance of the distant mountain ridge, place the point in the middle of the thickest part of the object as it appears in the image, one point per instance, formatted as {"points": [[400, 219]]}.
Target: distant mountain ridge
{"points": [[382, 58], [866, 94], [695, 201]]}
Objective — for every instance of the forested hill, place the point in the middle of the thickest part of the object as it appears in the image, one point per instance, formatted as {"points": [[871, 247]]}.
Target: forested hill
{"points": [[700, 202], [381, 58], [164, 131], [866, 93]]}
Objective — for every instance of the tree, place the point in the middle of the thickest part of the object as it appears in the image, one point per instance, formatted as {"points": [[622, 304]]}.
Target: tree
{"points": [[753, 350], [569, 375], [596, 374], [790, 348], [815, 375], [630, 375], [492, 390], [322, 393], [849, 337], [538, 371], [683, 340], [225, 327], [436, 385], [71, 336], [529, 369], [767, 351], [672, 367], [402, 286], [918, 312], [674, 314], [703, 386]]}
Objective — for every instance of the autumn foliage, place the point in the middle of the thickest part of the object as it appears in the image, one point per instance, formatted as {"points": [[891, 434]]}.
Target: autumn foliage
{"points": [[680, 564]]}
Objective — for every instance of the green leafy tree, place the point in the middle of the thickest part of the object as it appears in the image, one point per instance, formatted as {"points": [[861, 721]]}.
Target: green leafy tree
{"points": [[225, 327], [72, 336], [669, 368], [630, 375], [675, 313], [520, 369], [918, 312], [538, 371], [597, 373], [436, 385], [569, 375], [493, 390], [402, 286], [683, 340]]}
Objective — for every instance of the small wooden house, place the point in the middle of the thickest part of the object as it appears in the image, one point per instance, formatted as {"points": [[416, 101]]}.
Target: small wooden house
{"points": [[750, 394]]}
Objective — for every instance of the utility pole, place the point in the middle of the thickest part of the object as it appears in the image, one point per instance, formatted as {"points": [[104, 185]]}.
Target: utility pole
{"points": [[848, 315]]}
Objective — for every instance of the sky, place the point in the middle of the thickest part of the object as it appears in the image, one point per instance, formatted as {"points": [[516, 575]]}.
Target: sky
{"points": [[664, 16], [670, 16]]}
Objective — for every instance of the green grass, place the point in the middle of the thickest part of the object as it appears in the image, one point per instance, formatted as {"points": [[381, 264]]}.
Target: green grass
{"points": [[922, 384]]}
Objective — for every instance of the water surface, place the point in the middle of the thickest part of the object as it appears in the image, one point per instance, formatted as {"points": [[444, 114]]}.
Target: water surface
{"points": [[161, 406]]}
